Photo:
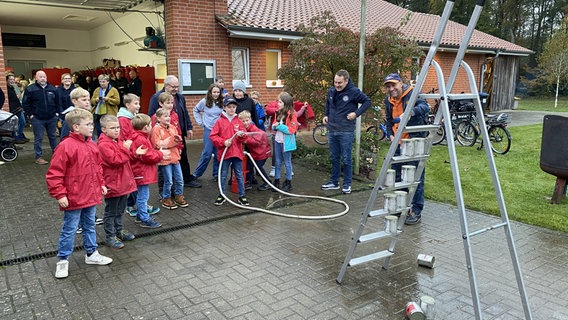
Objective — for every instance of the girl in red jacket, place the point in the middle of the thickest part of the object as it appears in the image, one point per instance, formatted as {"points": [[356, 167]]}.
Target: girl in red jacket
{"points": [[221, 135], [144, 167], [165, 137], [285, 125], [258, 146]]}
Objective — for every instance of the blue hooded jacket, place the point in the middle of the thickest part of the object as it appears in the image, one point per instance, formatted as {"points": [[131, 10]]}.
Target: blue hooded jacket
{"points": [[340, 103], [41, 102]]}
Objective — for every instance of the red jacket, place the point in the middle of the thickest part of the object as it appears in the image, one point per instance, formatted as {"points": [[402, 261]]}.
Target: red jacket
{"points": [[126, 129], [75, 172], [257, 143], [117, 172], [225, 129], [144, 166], [174, 120], [308, 113]]}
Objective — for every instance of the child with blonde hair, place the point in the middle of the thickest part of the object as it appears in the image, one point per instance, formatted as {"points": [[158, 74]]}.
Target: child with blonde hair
{"points": [[165, 137]]}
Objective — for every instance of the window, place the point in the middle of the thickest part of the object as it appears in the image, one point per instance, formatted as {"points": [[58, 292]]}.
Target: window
{"points": [[273, 63], [241, 65]]}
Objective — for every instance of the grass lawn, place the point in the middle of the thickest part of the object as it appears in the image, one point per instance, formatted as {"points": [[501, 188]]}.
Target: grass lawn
{"points": [[543, 104], [526, 188]]}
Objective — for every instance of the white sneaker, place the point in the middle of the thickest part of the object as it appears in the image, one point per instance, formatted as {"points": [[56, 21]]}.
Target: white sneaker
{"points": [[62, 269], [99, 221], [97, 258], [272, 171]]}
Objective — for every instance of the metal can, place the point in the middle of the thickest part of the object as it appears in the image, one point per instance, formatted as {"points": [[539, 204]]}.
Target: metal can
{"points": [[407, 147], [419, 144], [391, 223], [427, 306], [413, 311], [390, 178], [400, 200], [390, 202], [426, 260], [408, 173]]}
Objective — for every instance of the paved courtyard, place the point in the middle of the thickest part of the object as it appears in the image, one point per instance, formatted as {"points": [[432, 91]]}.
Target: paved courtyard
{"points": [[209, 262]]}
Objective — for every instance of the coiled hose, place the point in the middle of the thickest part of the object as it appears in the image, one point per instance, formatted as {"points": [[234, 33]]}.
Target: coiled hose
{"points": [[286, 215]]}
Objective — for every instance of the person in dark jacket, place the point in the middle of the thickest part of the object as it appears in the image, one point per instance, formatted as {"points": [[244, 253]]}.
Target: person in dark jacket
{"points": [[395, 104], [135, 85], [244, 102], [341, 111], [171, 85], [40, 103], [16, 108], [2, 98]]}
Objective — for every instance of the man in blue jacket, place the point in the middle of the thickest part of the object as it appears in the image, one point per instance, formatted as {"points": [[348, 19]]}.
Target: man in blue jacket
{"points": [[341, 111], [40, 103], [395, 104]]}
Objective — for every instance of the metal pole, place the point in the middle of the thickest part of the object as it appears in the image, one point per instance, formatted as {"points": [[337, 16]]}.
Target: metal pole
{"points": [[360, 83]]}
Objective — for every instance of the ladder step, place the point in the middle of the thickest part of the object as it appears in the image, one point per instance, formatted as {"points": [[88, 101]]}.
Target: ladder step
{"points": [[375, 236], [463, 96], [370, 257], [428, 96], [399, 159], [383, 212], [427, 127]]}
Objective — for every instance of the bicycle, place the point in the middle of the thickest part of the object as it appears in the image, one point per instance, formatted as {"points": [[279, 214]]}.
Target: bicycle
{"points": [[320, 134], [499, 135], [463, 128], [380, 127]]}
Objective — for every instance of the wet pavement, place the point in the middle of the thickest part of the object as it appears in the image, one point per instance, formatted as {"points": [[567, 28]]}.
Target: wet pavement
{"points": [[210, 262]]}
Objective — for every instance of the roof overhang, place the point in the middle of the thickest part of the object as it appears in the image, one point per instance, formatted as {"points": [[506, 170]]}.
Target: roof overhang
{"points": [[477, 50], [262, 33]]}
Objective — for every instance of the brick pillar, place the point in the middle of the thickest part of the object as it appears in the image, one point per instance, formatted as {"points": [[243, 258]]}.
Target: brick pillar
{"points": [[3, 74], [192, 32]]}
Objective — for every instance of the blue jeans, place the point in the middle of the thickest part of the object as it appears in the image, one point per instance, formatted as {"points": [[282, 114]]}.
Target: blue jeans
{"points": [[340, 147], [208, 150], [71, 220], [238, 169], [418, 199], [171, 175], [142, 203], [280, 155], [114, 208], [19, 134], [38, 127]]}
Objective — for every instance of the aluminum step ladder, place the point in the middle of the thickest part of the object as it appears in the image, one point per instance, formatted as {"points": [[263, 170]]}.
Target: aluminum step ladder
{"points": [[380, 189]]}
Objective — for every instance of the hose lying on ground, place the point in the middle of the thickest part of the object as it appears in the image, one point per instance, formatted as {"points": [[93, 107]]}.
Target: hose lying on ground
{"points": [[286, 215]]}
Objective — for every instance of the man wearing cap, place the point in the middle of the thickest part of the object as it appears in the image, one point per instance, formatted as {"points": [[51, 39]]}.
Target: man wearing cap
{"points": [[395, 104], [341, 111]]}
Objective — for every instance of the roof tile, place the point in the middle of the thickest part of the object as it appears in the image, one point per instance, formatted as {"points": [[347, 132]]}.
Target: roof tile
{"points": [[286, 15]]}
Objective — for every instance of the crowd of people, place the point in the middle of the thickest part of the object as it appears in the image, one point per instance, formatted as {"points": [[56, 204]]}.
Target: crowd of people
{"points": [[110, 150]]}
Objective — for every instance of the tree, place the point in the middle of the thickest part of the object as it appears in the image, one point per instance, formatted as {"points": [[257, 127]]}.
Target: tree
{"points": [[554, 58], [327, 48]]}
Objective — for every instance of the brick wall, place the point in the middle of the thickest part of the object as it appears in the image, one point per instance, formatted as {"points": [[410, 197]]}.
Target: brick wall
{"points": [[446, 61], [3, 74]]}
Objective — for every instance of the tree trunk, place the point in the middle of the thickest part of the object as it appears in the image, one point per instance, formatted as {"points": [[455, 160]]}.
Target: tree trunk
{"points": [[557, 88]]}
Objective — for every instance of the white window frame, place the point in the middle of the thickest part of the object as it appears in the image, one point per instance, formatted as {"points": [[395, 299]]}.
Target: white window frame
{"points": [[246, 62], [275, 82]]}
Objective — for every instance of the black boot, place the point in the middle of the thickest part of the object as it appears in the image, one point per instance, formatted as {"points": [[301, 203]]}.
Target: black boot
{"points": [[287, 185], [276, 183], [263, 187]]}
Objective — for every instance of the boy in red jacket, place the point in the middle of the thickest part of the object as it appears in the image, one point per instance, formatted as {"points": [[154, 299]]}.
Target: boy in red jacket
{"points": [[144, 168], [258, 146], [221, 136], [75, 179], [119, 180]]}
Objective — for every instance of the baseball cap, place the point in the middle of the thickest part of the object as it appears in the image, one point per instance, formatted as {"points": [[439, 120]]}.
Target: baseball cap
{"points": [[228, 101], [393, 77]]}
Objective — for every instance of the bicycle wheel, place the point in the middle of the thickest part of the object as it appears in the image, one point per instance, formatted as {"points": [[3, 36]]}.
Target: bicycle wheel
{"points": [[466, 133], [320, 134], [377, 131], [439, 135], [500, 139]]}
